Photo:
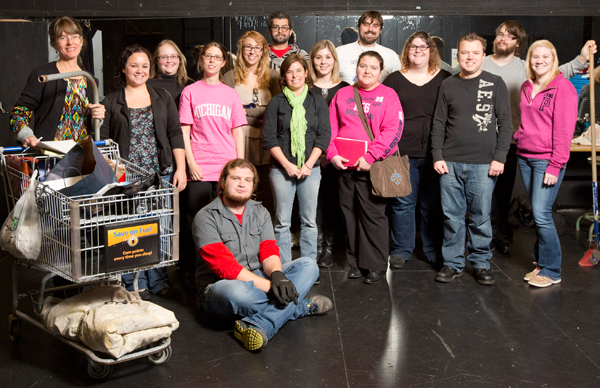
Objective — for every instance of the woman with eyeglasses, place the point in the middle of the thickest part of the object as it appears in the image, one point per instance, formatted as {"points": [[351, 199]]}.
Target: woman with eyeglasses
{"points": [[417, 84], [324, 68], [212, 119], [61, 109], [296, 133], [144, 122], [169, 69], [256, 84], [366, 222]]}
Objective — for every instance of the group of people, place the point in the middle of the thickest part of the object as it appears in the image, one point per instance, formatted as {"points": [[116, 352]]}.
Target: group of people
{"points": [[270, 128]]}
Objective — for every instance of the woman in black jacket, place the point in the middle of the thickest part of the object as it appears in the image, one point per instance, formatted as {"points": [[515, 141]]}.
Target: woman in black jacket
{"points": [[61, 108], [296, 131], [168, 69], [145, 123]]}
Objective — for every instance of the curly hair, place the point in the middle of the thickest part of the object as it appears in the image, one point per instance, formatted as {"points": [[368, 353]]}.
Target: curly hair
{"points": [[434, 56], [262, 72]]}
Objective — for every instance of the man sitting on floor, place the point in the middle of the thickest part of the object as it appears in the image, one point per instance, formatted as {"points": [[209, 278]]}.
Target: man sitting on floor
{"points": [[239, 273]]}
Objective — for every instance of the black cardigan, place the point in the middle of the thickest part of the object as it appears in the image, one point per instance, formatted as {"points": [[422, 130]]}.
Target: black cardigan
{"points": [[276, 128], [47, 101], [117, 124]]}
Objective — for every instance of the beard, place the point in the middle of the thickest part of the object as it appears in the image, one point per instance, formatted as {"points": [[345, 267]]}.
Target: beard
{"points": [[237, 199], [279, 39], [368, 39], [503, 51]]}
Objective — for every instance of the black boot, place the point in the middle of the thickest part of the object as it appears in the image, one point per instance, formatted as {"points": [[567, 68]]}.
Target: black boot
{"points": [[326, 258], [319, 242]]}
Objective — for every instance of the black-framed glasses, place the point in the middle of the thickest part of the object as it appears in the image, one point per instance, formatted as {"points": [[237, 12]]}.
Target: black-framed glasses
{"points": [[505, 36], [217, 58], [253, 48], [280, 28], [413, 47]]}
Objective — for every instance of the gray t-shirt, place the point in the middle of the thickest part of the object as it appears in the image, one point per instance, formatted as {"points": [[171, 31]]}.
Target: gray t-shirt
{"points": [[514, 74]]}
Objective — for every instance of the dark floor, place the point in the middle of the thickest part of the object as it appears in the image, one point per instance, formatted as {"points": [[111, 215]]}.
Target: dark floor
{"points": [[407, 332]]}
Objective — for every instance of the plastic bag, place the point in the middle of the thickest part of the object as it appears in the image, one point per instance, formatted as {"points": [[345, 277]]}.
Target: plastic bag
{"points": [[21, 234]]}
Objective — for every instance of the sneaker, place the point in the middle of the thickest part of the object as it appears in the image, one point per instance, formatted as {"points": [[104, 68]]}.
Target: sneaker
{"points": [[318, 305], [251, 337], [532, 274], [542, 281], [397, 262], [483, 276], [447, 274], [166, 292]]}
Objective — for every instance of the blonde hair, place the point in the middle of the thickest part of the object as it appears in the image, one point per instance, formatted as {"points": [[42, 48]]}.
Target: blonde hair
{"points": [[320, 45], [434, 56], [553, 70], [597, 75], [263, 72], [182, 77]]}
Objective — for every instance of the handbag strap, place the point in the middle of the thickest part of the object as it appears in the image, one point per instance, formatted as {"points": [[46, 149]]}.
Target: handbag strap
{"points": [[361, 113]]}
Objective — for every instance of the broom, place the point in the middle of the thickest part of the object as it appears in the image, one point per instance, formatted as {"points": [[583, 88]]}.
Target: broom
{"points": [[592, 256]]}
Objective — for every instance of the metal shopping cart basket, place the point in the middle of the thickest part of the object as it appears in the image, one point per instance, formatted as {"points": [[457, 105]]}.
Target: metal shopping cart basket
{"points": [[76, 240]]}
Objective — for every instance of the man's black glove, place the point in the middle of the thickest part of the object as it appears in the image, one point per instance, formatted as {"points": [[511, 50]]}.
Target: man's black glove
{"points": [[283, 288]]}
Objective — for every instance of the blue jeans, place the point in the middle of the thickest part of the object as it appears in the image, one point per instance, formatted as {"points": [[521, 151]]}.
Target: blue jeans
{"points": [[237, 299], [546, 251], [284, 191], [152, 280], [425, 183], [467, 188]]}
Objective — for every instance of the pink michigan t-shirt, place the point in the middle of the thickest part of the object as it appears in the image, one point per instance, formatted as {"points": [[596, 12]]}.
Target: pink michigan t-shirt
{"points": [[212, 111]]}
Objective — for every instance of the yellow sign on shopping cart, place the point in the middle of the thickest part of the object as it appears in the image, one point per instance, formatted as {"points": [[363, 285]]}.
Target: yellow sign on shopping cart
{"points": [[132, 244]]}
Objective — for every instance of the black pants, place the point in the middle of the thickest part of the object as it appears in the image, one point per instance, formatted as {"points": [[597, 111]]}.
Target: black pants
{"points": [[366, 222], [502, 196], [196, 195]]}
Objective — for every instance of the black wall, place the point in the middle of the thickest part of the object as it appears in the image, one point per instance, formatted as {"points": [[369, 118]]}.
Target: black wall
{"points": [[209, 8]]}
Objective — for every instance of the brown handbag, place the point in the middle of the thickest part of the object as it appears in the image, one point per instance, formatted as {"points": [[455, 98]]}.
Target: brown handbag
{"points": [[390, 177]]}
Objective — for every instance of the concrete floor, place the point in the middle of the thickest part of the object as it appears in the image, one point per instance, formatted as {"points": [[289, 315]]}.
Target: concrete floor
{"points": [[407, 332]]}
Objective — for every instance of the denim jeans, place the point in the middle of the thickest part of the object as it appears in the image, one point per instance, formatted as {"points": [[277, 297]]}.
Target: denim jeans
{"points": [[546, 251], [284, 191], [152, 280], [235, 298], [467, 188], [425, 183]]}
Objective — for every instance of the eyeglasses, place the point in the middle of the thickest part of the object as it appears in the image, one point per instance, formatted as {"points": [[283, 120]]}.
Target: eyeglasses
{"points": [[505, 36], [163, 58], [280, 28], [72, 38], [255, 48], [372, 24], [413, 47], [208, 57]]}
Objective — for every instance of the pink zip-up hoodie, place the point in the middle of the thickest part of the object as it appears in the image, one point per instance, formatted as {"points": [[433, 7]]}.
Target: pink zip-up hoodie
{"points": [[384, 115], [547, 123]]}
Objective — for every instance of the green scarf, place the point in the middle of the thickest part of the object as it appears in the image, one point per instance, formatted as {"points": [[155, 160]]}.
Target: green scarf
{"points": [[297, 123]]}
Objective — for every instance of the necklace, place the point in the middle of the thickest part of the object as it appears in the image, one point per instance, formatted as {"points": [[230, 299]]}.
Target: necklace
{"points": [[324, 92], [255, 95]]}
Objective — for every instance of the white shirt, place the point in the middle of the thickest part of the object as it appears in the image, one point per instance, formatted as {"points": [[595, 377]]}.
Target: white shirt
{"points": [[348, 57]]}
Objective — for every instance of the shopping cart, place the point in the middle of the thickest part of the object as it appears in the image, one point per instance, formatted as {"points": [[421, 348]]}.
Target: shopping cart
{"points": [[74, 240]]}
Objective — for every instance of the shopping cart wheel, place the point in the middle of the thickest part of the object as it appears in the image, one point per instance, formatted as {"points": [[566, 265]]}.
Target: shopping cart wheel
{"points": [[99, 371], [161, 357], [14, 329]]}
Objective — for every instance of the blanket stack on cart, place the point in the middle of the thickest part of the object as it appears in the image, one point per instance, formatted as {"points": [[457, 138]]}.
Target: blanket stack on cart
{"points": [[108, 319]]}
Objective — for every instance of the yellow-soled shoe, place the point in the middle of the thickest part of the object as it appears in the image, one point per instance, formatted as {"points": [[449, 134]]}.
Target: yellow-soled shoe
{"points": [[251, 337]]}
